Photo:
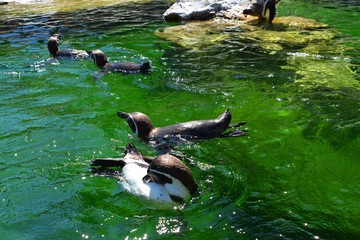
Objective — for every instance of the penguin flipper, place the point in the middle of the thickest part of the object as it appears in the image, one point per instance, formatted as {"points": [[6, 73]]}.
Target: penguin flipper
{"points": [[272, 9], [106, 165]]}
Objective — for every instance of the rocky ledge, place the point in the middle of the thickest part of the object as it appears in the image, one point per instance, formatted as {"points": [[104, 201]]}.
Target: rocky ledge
{"points": [[185, 10]]}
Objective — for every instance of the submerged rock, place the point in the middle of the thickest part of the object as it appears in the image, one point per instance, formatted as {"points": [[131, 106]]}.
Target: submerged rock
{"points": [[315, 49], [196, 35], [284, 31]]}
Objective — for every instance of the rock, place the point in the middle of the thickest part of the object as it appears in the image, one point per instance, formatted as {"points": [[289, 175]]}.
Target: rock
{"points": [[235, 12], [197, 35], [185, 10], [284, 31]]}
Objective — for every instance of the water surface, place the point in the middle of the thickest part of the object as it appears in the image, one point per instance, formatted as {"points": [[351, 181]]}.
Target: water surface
{"points": [[295, 176]]}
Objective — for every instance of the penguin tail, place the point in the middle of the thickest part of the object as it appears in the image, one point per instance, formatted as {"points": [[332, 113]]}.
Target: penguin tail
{"points": [[132, 150], [225, 115]]}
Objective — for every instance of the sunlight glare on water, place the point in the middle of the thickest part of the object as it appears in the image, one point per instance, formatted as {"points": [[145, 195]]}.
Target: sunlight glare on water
{"points": [[294, 176]]}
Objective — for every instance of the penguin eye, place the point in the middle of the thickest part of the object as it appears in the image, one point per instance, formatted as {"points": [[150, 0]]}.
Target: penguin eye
{"points": [[147, 178]]}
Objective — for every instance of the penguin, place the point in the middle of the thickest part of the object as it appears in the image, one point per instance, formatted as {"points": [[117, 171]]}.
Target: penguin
{"points": [[142, 126], [101, 61], [53, 47], [163, 181]]}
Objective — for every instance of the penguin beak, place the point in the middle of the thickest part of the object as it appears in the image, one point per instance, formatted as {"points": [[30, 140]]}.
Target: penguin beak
{"points": [[130, 121], [123, 115]]}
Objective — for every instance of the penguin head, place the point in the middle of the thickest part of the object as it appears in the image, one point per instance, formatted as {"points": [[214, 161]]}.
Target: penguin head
{"points": [[139, 123], [98, 57]]}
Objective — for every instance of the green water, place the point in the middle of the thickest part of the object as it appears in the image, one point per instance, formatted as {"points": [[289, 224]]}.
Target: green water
{"points": [[295, 176]]}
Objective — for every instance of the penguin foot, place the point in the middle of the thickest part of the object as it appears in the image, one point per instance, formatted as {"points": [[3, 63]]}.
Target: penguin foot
{"points": [[235, 133], [237, 124]]}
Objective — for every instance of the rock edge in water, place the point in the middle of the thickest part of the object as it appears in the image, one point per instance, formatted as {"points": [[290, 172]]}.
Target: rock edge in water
{"points": [[185, 10]]}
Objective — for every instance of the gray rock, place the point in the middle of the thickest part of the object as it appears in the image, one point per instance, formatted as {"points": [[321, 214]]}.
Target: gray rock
{"points": [[185, 10]]}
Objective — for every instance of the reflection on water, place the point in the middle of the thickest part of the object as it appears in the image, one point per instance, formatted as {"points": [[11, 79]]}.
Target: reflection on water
{"points": [[101, 19], [22, 7], [295, 176]]}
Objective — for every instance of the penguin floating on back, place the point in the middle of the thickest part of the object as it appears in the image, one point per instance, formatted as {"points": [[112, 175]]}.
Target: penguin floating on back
{"points": [[164, 181]]}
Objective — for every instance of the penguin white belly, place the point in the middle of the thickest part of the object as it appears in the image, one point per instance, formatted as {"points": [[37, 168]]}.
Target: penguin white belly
{"points": [[177, 189], [133, 182]]}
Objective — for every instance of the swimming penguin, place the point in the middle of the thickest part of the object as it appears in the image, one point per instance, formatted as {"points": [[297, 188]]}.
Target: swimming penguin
{"points": [[53, 46], [101, 61], [164, 180], [264, 9], [141, 125]]}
